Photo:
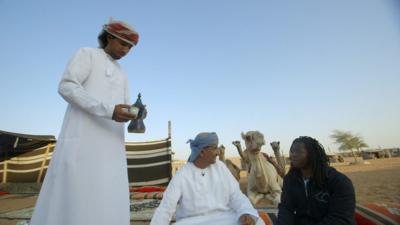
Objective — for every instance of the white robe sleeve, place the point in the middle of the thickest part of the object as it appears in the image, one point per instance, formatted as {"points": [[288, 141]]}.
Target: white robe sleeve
{"points": [[167, 207], [71, 89], [237, 200]]}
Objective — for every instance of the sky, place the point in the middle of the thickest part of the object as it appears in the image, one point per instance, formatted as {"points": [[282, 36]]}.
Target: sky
{"points": [[285, 68]]}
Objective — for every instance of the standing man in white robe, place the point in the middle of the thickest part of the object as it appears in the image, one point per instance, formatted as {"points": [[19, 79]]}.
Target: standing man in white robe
{"points": [[86, 182], [206, 191]]}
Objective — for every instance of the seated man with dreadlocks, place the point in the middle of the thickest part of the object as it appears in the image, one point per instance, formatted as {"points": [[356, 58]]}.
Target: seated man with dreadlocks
{"points": [[313, 192]]}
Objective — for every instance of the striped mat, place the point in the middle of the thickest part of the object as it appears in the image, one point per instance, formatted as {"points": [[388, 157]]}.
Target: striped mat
{"points": [[269, 215], [366, 214], [377, 214]]}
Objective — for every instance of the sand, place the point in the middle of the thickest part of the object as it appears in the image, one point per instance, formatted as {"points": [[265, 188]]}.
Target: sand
{"points": [[378, 181]]}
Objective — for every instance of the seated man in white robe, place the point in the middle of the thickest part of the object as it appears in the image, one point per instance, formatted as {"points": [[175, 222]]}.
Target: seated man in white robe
{"points": [[206, 191]]}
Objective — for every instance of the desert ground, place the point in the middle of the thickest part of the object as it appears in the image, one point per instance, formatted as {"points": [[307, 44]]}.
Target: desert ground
{"points": [[376, 180]]}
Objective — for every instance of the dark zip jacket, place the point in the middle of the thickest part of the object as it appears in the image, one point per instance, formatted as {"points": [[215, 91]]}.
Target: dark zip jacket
{"points": [[332, 205]]}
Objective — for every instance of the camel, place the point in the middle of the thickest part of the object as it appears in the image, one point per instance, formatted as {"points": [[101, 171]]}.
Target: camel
{"points": [[263, 178], [235, 170]]}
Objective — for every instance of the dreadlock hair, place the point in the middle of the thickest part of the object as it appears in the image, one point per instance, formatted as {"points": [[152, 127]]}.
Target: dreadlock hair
{"points": [[102, 39], [317, 158]]}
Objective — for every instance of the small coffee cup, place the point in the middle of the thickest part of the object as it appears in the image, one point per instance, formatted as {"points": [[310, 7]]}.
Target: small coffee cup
{"points": [[134, 110]]}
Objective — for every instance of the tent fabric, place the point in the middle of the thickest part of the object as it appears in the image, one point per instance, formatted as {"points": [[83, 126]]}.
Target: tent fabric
{"points": [[149, 163], [13, 144]]}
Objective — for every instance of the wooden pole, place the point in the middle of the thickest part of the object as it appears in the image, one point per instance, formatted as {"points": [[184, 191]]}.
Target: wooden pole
{"points": [[5, 168], [43, 163], [169, 129]]}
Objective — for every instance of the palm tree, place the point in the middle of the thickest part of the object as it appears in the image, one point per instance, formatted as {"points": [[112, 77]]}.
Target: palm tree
{"points": [[348, 141]]}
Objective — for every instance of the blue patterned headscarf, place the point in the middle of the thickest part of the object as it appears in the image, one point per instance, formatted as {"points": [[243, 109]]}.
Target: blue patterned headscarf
{"points": [[201, 141]]}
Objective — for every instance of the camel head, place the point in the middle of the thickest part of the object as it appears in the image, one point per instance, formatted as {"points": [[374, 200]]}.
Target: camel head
{"points": [[253, 140], [275, 145]]}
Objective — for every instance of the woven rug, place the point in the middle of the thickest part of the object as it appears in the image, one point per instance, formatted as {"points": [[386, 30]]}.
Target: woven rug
{"points": [[141, 210], [146, 195]]}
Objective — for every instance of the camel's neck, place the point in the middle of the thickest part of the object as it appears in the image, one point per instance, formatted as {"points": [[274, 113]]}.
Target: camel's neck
{"points": [[257, 159], [253, 156]]}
